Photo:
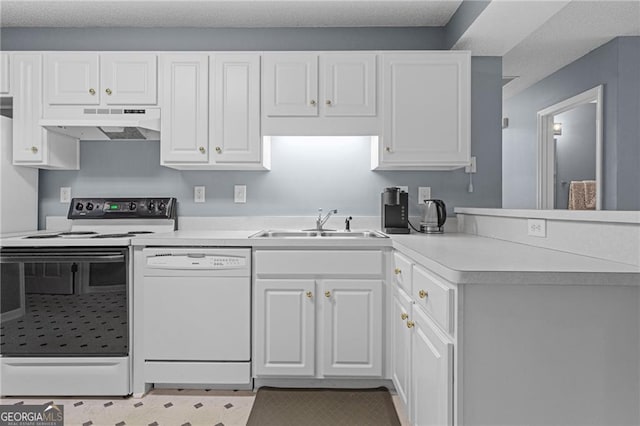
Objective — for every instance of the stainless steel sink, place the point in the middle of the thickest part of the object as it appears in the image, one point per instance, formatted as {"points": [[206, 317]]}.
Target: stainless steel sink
{"points": [[285, 234], [314, 234], [353, 234]]}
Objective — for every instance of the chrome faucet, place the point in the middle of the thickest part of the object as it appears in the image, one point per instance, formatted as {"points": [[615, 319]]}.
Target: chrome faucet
{"points": [[321, 221]]}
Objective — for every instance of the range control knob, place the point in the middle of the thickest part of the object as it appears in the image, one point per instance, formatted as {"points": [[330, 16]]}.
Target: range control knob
{"points": [[132, 206], [161, 206], [89, 206], [79, 206], [151, 206]]}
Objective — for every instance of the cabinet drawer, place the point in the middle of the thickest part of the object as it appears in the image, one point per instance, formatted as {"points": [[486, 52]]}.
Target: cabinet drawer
{"points": [[434, 297], [402, 272], [327, 263]]}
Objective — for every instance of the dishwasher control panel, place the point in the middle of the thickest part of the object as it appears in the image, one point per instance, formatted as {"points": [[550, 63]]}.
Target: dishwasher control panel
{"points": [[196, 261]]}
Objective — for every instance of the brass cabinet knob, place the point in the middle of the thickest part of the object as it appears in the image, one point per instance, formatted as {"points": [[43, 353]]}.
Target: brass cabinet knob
{"points": [[397, 271], [404, 315], [410, 324], [34, 149], [388, 149], [327, 293], [328, 102], [202, 150], [313, 102], [423, 294], [108, 91], [218, 150], [92, 91], [309, 294]]}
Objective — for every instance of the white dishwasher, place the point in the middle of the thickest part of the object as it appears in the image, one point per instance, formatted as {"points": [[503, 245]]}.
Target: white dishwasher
{"points": [[197, 316]]}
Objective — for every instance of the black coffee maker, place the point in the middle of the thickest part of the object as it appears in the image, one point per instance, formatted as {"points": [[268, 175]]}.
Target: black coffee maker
{"points": [[395, 211]]}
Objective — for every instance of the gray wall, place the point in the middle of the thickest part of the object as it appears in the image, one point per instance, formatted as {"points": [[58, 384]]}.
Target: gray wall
{"points": [[575, 150], [297, 183], [616, 65], [207, 39]]}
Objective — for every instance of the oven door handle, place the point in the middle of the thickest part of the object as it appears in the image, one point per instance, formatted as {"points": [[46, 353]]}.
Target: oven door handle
{"points": [[68, 257]]}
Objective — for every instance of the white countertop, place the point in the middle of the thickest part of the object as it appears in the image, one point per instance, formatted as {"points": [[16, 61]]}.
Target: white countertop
{"points": [[464, 258], [615, 216], [241, 239], [459, 258]]}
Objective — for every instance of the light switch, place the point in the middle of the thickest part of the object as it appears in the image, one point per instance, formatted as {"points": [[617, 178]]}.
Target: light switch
{"points": [[65, 194], [198, 194], [240, 193]]}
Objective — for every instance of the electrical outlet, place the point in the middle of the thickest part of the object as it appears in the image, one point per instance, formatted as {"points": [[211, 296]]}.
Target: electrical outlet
{"points": [[65, 194], [240, 193], [424, 193], [537, 228], [198, 194]]}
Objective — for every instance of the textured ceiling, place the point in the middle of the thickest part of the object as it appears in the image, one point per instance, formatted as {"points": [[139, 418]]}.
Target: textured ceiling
{"points": [[226, 13], [574, 31]]}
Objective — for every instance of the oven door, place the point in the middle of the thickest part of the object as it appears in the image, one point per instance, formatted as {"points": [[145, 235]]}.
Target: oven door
{"points": [[58, 302]]}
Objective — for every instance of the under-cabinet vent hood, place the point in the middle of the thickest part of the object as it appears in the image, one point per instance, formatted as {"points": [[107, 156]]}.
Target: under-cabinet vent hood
{"points": [[122, 123]]}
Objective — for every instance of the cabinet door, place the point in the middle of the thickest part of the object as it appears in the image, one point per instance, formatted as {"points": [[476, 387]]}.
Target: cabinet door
{"points": [[349, 84], [284, 328], [4, 73], [72, 79], [351, 321], [426, 109], [185, 111], [432, 374], [128, 78], [235, 114], [290, 84], [28, 136], [401, 344]]}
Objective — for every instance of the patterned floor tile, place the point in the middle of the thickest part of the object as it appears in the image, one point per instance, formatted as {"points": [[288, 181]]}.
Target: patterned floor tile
{"points": [[160, 407]]}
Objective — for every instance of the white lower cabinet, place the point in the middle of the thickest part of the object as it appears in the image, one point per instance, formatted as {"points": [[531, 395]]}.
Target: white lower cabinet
{"points": [[284, 328], [317, 325], [401, 345], [422, 345], [352, 322], [287, 313], [431, 373]]}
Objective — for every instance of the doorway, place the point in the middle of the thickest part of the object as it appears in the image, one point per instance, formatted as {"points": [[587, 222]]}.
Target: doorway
{"points": [[570, 153]]}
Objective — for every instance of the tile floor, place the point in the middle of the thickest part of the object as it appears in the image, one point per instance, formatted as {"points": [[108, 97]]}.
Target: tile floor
{"points": [[180, 407]]}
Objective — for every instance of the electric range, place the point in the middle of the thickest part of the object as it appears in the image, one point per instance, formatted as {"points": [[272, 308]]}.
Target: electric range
{"points": [[65, 316]]}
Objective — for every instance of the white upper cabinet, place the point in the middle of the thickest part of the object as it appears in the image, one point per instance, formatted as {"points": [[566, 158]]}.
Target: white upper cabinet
{"points": [[345, 86], [185, 108], [4, 73], [349, 84], [72, 79], [211, 112], [33, 145], [128, 78], [107, 79], [290, 84], [235, 108], [426, 111]]}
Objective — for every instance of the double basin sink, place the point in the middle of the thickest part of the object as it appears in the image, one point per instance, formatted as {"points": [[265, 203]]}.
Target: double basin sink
{"points": [[319, 234]]}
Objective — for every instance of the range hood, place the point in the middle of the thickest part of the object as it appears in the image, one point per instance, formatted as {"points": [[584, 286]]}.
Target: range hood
{"points": [[120, 123]]}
